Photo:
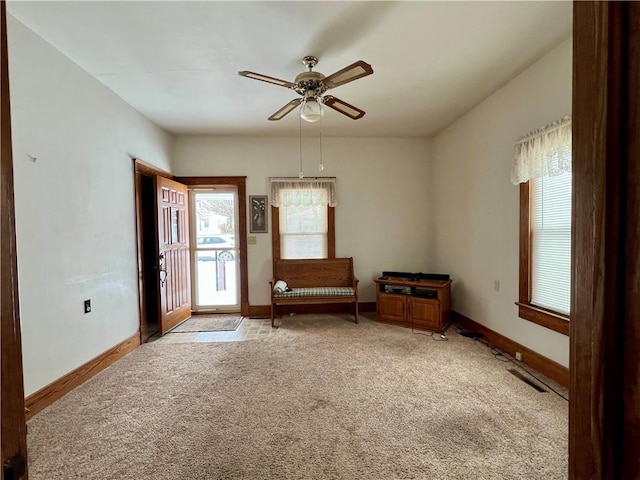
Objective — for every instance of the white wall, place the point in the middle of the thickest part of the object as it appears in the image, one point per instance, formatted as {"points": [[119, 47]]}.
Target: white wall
{"points": [[382, 199], [74, 207], [404, 204], [476, 209]]}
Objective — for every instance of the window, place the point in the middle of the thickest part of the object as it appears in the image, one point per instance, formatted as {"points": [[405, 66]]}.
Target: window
{"points": [[303, 218], [543, 169], [551, 243], [303, 227]]}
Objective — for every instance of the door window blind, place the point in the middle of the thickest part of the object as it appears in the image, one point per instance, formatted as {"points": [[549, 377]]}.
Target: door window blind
{"points": [[551, 242]]}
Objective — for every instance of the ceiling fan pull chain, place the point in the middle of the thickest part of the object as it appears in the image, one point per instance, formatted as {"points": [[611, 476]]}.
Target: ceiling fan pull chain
{"points": [[321, 166], [300, 174]]}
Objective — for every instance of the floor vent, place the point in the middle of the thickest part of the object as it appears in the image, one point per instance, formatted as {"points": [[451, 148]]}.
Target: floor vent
{"points": [[519, 375]]}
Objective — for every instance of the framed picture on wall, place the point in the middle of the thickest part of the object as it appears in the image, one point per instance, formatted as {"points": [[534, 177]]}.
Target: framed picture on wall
{"points": [[258, 211]]}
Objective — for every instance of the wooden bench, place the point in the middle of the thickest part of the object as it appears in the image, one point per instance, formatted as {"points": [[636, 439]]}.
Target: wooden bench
{"points": [[315, 281]]}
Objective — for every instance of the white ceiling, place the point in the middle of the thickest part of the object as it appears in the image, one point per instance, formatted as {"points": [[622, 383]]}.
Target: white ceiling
{"points": [[177, 62]]}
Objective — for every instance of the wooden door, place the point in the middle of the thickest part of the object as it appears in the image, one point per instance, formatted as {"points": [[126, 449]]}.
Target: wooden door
{"points": [[13, 458], [173, 257]]}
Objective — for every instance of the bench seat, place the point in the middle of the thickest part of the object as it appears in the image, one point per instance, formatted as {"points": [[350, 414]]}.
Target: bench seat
{"points": [[317, 292], [314, 281]]}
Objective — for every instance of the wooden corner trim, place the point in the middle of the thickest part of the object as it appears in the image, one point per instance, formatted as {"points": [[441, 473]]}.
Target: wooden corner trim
{"points": [[542, 364], [44, 397], [13, 431]]}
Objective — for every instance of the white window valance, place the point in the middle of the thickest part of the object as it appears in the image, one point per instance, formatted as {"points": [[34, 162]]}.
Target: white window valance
{"points": [[287, 191], [545, 152]]}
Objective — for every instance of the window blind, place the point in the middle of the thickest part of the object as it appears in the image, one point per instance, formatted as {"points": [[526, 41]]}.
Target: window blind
{"points": [[551, 242], [303, 226]]}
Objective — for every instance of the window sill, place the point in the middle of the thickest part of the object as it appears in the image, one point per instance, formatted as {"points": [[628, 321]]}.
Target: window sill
{"points": [[553, 321]]}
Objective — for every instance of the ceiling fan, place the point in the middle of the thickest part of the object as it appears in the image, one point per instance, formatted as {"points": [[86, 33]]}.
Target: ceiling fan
{"points": [[312, 86]]}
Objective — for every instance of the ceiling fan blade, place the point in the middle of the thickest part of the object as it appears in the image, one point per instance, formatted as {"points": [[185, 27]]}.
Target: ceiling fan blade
{"points": [[343, 107], [348, 74], [265, 78], [286, 109]]}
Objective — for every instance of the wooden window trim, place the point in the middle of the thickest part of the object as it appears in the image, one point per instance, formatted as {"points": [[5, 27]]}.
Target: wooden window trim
{"points": [[547, 318], [275, 232], [331, 232]]}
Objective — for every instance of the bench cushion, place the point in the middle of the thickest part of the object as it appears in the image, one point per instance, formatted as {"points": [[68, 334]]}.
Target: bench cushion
{"points": [[317, 292]]}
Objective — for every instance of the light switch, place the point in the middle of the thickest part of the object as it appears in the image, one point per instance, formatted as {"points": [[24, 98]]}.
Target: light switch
{"points": [[252, 240]]}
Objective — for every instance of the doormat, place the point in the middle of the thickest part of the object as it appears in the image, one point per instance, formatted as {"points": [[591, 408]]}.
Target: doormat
{"points": [[219, 322]]}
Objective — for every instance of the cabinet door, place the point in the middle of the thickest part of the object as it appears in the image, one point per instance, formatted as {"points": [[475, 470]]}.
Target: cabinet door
{"points": [[391, 308], [424, 313]]}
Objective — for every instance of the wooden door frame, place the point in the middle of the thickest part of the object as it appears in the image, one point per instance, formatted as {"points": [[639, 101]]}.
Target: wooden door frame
{"points": [[142, 168], [13, 442], [604, 419], [240, 183]]}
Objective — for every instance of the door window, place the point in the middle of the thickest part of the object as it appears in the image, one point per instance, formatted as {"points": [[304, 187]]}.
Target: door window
{"points": [[215, 250]]}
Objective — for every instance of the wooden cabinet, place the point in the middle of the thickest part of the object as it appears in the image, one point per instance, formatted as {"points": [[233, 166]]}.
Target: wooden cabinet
{"points": [[391, 307], [421, 304]]}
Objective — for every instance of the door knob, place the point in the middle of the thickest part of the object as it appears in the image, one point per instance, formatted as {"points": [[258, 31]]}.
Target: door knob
{"points": [[163, 269]]}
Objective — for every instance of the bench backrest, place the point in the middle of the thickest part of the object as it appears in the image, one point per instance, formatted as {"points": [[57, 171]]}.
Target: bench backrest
{"points": [[320, 272]]}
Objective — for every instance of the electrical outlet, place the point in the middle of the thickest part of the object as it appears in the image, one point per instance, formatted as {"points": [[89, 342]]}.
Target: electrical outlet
{"points": [[518, 356], [496, 285], [252, 240], [87, 306]]}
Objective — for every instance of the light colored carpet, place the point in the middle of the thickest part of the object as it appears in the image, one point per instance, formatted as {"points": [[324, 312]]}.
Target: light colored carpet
{"points": [[323, 399], [219, 322]]}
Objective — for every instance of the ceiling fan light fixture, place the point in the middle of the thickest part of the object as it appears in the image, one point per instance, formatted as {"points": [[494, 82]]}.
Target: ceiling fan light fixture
{"points": [[311, 110], [312, 85]]}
